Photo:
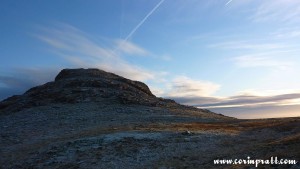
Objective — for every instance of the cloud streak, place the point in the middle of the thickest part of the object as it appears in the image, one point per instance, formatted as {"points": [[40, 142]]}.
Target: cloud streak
{"points": [[143, 20], [76, 47], [262, 61], [228, 2], [186, 87], [240, 101], [130, 48], [245, 45]]}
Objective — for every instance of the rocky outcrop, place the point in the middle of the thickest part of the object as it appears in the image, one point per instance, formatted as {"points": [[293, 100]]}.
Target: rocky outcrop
{"points": [[98, 77], [85, 85]]}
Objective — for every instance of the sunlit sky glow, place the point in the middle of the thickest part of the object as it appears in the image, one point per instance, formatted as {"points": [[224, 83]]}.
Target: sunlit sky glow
{"points": [[237, 57]]}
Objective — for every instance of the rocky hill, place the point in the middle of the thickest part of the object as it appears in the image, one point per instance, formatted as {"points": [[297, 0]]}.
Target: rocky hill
{"points": [[89, 118], [72, 86]]}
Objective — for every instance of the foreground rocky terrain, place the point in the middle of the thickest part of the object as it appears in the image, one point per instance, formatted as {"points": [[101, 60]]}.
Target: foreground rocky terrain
{"points": [[88, 118]]}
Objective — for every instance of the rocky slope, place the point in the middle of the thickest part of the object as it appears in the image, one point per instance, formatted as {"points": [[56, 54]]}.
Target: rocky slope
{"points": [[88, 118], [72, 86]]}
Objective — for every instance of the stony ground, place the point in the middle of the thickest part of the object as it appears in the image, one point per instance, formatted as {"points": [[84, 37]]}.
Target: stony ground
{"points": [[93, 135]]}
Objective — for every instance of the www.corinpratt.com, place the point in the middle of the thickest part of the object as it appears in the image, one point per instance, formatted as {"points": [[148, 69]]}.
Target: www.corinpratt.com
{"points": [[256, 162]]}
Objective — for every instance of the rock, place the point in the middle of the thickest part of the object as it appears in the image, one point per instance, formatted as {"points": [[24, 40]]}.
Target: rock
{"points": [[187, 132]]}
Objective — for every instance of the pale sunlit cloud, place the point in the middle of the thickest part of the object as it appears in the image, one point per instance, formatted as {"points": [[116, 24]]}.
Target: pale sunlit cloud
{"points": [[264, 111], [262, 61], [185, 86], [130, 48], [291, 102], [241, 100]]}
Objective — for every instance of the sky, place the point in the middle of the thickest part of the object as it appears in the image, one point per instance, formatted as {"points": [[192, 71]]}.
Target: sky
{"points": [[235, 57]]}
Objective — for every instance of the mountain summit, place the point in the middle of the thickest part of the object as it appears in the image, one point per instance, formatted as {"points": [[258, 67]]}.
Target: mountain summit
{"points": [[72, 86]]}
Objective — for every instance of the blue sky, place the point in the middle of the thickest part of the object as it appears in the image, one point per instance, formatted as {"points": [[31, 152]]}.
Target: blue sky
{"points": [[238, 57]]}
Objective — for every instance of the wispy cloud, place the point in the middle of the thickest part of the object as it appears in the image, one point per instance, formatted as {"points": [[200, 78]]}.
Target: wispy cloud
{"points": [[184, 86], [130, 48], [248, 45], [278, 10], [249, 100], [196, 100], [76, 47], [262, 61], [66, 38], [241, 101]]}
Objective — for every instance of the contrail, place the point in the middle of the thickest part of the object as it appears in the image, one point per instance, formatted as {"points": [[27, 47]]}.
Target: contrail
{"points": [[141, 23], [228, 2]]}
